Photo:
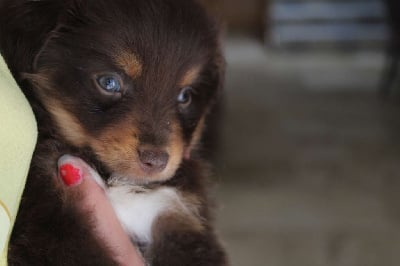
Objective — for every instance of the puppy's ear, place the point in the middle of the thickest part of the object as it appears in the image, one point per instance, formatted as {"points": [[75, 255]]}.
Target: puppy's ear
{"points": [[24, 25], [49, 37], [72, 14]]}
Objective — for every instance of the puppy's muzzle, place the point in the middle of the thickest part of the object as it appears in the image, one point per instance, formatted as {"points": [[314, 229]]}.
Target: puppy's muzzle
{"points": [[152, 160]]}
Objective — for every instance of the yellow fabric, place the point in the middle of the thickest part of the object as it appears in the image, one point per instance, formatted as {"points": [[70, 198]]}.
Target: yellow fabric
{"points": [[18, 133]]}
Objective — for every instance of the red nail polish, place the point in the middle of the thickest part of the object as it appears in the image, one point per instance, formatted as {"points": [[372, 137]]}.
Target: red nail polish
{"points": [[70, 175]]}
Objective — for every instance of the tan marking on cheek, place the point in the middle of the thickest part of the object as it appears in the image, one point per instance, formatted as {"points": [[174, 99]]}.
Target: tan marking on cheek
{"points": [[190, 77], [68, 124], [130, 63], [116, 147], [196, 137], [175, 150]]}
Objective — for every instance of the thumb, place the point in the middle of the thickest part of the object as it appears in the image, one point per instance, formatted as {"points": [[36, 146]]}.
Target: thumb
{"points": [[80, 178], [73, 171]]}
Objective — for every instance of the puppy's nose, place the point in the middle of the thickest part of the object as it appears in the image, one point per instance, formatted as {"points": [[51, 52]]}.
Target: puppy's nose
{"points": [[152, 160]]}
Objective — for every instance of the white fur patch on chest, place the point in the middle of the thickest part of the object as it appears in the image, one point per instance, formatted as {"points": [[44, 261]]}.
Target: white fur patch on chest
{"points": [[138, 208]]}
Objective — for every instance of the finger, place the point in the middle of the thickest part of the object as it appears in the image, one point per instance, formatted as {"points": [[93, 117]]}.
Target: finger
{"points": [[80, 178], [73, 170]]}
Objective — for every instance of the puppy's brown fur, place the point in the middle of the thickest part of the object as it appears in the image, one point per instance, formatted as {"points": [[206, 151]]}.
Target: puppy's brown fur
{"points": [[57, 50]]}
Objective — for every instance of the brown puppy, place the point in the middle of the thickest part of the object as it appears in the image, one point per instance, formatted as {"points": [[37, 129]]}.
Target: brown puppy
{"points": [[126, 85]]}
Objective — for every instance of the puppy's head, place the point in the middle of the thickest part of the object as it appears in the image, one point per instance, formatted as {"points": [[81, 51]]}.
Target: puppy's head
{"points": [[132, 80]]}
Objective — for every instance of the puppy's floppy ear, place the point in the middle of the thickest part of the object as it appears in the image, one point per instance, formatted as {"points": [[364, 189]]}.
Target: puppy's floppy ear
{"points": [[71, 14], [51, 35], [24, 26]]}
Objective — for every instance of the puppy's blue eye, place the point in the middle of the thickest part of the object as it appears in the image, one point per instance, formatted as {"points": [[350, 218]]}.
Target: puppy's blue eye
{"points": [[185, 97], [110, 83]]}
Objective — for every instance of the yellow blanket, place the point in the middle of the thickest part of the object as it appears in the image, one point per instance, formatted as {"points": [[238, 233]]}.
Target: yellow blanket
{"points": [[18, 133]]}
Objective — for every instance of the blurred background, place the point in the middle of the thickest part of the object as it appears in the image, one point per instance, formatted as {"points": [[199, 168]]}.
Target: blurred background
{"points": [[309, 170]]}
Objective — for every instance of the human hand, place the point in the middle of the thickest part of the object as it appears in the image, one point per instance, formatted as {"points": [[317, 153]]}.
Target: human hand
{"points": [[78, 177]]}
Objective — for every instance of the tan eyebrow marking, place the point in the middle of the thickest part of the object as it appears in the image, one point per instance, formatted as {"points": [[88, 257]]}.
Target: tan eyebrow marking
{"points": [[190, 76], [130, 63]]}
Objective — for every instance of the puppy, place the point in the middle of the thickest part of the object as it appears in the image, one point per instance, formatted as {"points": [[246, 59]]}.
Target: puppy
{"points": [[127, 85]]}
